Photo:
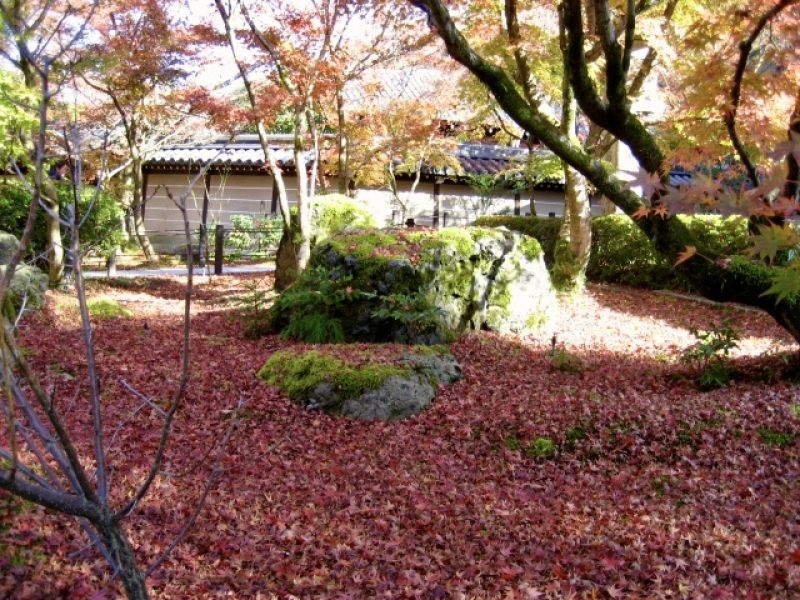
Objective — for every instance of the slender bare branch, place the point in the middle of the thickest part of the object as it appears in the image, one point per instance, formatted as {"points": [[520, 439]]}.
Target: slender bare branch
{"points": [[216, 471], [185, 353], [736, 86]]}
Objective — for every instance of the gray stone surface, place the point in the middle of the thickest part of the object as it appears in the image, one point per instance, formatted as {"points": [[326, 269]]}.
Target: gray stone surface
{"points": [[441, 369], [398, 397], [29, 283], [8, 245]]}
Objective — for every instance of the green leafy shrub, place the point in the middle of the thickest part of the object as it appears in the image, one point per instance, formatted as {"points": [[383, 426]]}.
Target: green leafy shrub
{"points": [[412, 310], [333, 213], [315, 328], [312, 310], [99, 213], [621, 253], [709, 354], [251, 235]]}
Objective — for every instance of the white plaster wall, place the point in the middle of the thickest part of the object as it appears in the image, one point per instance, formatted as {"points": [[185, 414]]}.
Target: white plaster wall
{"points": [[252, 195]]}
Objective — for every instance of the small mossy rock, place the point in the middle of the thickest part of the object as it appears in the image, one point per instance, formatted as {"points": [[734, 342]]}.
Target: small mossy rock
{"points": [[398, 398], [29, 283], [423, 286], [440, 369], [366, 392], [8, 246]]}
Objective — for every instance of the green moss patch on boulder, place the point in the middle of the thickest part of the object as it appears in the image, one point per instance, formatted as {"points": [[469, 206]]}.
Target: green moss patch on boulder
{"points": [[418, 287], [372, 391]]}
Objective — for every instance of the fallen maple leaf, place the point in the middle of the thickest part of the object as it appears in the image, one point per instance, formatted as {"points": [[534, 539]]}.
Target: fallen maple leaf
{"points": [[688, 253]]}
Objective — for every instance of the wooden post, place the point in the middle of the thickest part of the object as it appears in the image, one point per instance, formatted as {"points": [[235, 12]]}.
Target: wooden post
{"points": [[274, 207], [445, 218], [517, 207], [219, 248], [436, 203], [145, 181], [204, 220]]}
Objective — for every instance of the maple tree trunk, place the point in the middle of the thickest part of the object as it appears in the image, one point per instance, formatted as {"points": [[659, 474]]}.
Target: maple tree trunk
{"points": [[55, 248], [137, 205], [116, 541], [575, 237], [285, 260], [341, 146], [792, 184], [302, 241]]}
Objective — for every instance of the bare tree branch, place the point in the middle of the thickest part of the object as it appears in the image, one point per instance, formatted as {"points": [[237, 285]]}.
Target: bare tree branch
{"points": [[736, 87]]}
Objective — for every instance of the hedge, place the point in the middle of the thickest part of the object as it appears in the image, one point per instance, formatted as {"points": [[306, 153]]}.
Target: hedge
{"points": [[621, 253]]}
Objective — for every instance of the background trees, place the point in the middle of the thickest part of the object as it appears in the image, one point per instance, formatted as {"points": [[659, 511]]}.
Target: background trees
{"points": [[606, 101], [136, 64]]}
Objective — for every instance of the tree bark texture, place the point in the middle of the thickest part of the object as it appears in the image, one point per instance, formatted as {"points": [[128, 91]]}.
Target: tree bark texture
{"points": [[55, 247]]}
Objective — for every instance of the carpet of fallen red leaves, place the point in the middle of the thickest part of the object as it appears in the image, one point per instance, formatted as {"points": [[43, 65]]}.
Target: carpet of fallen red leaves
{"points": [[656, 489]]}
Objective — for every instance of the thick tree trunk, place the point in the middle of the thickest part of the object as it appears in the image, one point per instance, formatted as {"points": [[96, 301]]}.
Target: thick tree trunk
{"points": [[792, 184], [575, 238], [286, 261], [303, 236], [55, 247], [129, 573], [137, 211], [341, 147]]}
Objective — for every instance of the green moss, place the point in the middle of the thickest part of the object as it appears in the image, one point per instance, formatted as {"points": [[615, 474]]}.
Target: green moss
{"points": [[364, 244], [536, 320], [781, 439], [432, 350], [105, 308], [531, 248], [565, 273], [298, 374], [541, 447]]}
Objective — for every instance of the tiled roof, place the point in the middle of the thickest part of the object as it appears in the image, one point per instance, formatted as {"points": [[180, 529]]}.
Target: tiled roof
{"points": [[244, 153]]}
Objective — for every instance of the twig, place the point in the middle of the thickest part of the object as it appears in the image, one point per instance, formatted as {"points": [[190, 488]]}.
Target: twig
{"points": [[736, 89], [216, 471], [179, 394]]}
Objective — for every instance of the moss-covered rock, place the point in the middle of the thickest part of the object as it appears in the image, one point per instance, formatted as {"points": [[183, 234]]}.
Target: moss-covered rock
{"points": [[381, 391], [28, 283], [8, 245], [417, 287]]}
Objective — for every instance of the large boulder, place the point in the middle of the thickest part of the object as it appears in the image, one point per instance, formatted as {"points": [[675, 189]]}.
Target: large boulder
{"points": [[384, 391], [418, 287]]}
